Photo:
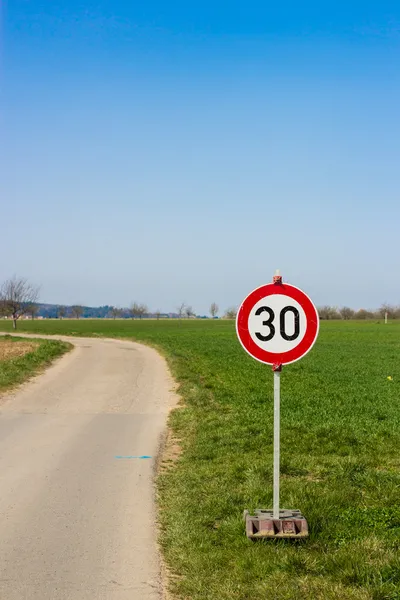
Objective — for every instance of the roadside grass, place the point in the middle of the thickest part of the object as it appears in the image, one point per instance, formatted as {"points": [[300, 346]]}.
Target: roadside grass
{"points": [[340, 442], [22, 358]]}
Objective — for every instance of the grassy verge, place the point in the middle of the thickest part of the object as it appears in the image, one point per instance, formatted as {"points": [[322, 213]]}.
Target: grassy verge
{"points": [[340, 461], [22, 358]]}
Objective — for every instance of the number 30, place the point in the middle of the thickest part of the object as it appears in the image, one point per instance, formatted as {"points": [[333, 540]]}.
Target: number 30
{"points": [[282, 323]]}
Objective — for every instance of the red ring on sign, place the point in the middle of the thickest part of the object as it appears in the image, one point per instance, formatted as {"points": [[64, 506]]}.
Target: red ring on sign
{"points": [[270, 358]]}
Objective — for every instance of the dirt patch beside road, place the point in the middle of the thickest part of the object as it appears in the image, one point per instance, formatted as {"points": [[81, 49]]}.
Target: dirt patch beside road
{"points": [[10, 349]]}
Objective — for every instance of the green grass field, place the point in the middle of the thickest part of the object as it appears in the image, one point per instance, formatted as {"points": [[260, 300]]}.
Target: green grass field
{"points": [[17, 368], [340, 460]]}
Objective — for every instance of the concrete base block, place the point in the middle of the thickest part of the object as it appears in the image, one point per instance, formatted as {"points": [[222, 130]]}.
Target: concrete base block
{"points": [[291, 524]]}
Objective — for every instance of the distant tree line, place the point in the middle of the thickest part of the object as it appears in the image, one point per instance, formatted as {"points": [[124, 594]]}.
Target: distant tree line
{"points": [[19, 298], [327, 313]]}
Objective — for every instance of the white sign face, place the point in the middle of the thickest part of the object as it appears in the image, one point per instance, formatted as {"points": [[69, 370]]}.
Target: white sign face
{"points": [[277, 323]]}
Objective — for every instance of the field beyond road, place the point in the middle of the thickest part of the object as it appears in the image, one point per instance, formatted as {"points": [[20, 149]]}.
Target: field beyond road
{"points": [[340, 449]]}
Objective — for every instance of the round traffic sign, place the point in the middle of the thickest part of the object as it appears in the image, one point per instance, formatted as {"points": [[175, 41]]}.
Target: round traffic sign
{"points": [[277, 324]]}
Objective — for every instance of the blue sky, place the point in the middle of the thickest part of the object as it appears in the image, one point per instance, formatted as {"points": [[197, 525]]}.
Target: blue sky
{"points": [[182, 151]]}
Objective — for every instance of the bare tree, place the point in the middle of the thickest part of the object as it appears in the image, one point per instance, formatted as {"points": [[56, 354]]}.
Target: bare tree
{"points": [[33, 310], [77, 311], [323, 312], [364, 314], [214, 310], [391, 311], [181, 310], [138, 310], [3, 309], [328, 313], [385, 309], [134, 309], [189, 312], [115, 312], [346, 313], [17, 295], [230, 313], [61, 311], [143, 310], [158, 314]]}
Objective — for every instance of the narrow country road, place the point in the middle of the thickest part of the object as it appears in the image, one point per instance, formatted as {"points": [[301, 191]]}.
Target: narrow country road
{"points": [[77, 516]]}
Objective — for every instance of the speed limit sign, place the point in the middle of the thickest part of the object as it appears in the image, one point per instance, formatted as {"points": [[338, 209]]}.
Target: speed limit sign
{"points": [[277, 324]]}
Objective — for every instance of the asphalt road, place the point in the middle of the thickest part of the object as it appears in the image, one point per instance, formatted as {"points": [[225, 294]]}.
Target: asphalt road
{"points": [[76, 520]]}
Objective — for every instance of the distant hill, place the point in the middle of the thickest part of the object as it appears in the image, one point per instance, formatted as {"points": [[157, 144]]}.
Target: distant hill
{"points": [[50, 311]]}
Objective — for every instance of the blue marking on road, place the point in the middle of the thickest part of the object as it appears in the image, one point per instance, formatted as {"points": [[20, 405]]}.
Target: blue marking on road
{"points": [[133, 457]]}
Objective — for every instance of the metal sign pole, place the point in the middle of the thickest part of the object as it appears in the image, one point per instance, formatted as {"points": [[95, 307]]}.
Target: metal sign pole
{"points": [[277, 407], [277, 368]]}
